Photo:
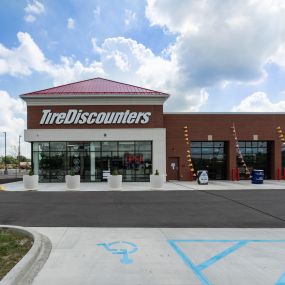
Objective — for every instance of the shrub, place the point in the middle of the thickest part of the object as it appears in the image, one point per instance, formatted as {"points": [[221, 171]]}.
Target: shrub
{"points": [[156, 172], [31, 172]]}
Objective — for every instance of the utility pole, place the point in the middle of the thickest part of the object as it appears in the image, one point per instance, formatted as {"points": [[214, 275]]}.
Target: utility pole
{"points": [[5, 159]]}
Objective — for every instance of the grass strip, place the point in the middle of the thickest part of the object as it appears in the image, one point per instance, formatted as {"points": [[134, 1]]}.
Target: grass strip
{"points": [[13, 246]]}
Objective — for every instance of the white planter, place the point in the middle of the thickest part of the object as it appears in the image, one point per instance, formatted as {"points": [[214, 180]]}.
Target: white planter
{"points": [[157, 181], [115, 181], [72, 182], [31, 182]]}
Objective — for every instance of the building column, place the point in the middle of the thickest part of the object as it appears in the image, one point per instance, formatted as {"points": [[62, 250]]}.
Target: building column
{"points": [[276, 159], [231, 158]]}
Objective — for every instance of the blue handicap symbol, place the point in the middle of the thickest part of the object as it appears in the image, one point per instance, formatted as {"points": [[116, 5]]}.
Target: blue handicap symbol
{"points": [[121, 247]]}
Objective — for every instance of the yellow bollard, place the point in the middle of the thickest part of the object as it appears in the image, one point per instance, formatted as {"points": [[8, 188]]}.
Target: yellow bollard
{"points": [[2, 188]]}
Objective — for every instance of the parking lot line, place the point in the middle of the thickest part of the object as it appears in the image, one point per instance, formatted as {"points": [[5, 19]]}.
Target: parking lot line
{"points": [[197, 269]]}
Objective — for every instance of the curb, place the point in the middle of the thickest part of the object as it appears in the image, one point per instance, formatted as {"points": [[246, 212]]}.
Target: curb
{"points": [[24, 272]]}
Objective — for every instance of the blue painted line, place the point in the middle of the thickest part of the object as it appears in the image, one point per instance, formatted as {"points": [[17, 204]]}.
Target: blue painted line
{"points": [[221, 255], [189, 263], [228, 240], [198, 269], [281, 280]]}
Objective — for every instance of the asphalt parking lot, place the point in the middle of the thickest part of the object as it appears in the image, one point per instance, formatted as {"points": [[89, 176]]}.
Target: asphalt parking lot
{"points": [[175, 209]]}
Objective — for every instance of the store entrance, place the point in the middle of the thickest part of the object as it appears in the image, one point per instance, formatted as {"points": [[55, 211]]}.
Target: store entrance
{"points": [[105, 164]]}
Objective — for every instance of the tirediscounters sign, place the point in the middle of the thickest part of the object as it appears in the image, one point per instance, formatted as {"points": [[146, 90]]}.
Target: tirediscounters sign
{"points": [[74, 117]]}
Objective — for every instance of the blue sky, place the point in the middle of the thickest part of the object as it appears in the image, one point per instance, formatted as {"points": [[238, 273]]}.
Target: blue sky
{"points": [[219, 56]]}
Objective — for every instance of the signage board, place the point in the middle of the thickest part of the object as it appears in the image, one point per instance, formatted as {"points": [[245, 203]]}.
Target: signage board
{"points": [[74, 116]]}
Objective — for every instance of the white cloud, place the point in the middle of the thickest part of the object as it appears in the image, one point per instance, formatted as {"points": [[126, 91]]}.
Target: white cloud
{"points": [[259, 102], [12, 121], [127, 60], [70, 23], [97, 11], [130, 17], [95, 46], [28, 57], [30, 18], [33, 8], [221, 41]]}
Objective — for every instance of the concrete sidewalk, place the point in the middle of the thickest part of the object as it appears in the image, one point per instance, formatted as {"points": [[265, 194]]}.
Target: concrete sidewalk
{"points": [[171, 185], [129, 256]]}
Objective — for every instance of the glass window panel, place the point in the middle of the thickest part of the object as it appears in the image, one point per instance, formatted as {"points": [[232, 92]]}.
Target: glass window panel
{"points": [[254, 150], [95, 146], [44, 165], [143, 145], [262, 144], [127, 146], [207, 150], [57, 163], [254, 144], [109, 146], [217, 151], [242, 144], [248, 150], [196, 144], [75, 146], [207, 156], [57, 146], [248, 144], [41, 146], [207, 144], [196, 150], [219, 144], [195, 156]]}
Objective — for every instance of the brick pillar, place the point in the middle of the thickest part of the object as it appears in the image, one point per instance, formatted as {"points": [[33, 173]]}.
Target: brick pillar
{"points": [[276, 158], [231, 157]]}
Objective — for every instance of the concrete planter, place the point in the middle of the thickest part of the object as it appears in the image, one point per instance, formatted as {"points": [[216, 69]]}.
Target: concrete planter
{"points": [[72, 182], [157, 181], [31, 182], [115, 181]]}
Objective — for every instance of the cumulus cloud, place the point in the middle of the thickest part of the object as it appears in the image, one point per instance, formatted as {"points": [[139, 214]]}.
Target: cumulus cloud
{"points": [[70, 23], [12, 121], [32, 9], [221, 40], [129, 61], [259, 102], [130, 17], [28, 57]]}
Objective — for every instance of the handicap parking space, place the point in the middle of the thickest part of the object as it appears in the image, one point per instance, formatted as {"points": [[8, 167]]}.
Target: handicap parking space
{"points": [[164, 256]]}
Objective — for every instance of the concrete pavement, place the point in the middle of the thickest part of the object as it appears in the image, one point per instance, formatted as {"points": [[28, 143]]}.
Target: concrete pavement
{"points": [[130, 256], [171, 185]]}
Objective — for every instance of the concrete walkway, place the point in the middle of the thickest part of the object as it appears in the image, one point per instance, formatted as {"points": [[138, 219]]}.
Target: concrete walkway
{"points": [[172, 185], [129, 256]]}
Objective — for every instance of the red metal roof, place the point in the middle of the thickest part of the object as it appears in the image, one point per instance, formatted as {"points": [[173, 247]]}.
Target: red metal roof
{"points": [[96, 86]]}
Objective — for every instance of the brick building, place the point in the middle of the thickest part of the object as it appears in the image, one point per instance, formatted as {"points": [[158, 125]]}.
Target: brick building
{"points": [[95, 126]]}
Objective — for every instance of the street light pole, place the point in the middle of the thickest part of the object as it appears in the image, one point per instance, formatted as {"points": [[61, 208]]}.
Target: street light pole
{"points": [[5, 158]]}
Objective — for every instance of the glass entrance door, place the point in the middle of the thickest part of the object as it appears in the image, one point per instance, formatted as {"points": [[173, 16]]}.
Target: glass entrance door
{"points": [[105, 166]]}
